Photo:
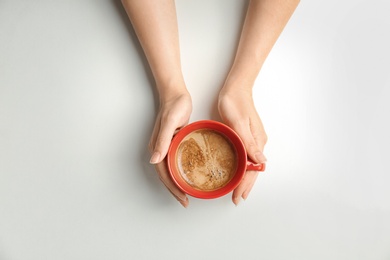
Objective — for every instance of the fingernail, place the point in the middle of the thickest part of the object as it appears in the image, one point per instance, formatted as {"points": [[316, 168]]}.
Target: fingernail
{"points": [[236, 200], [155, 158], [184, 203], [260, 157], [183, 198]]}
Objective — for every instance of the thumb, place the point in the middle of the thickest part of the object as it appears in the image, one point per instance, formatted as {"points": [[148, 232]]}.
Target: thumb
{"points": [[163, 141], [253, 150]]}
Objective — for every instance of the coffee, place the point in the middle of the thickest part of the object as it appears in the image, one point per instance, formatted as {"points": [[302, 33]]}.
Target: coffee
{"points": [[206, 160]]}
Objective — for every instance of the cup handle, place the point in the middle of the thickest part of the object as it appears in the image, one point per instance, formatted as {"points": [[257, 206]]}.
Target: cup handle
{"points": [[251, 166]]}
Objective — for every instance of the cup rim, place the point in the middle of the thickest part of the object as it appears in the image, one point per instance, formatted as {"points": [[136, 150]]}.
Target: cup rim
{"points": [[228, 133]]}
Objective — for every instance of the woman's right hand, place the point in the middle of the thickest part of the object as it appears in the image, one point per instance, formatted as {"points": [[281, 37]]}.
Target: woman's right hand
{"points": [[174, 113]]}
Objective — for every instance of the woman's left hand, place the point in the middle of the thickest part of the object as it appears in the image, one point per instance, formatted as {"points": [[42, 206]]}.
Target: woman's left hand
{"points": [[238, 111]]}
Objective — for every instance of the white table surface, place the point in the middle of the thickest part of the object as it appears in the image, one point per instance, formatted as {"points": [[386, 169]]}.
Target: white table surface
{"points": [[77, 106]]}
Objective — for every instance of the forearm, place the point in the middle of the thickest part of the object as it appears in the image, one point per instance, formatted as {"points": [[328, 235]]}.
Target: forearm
{"points": [[155, 24], [263, 24]]}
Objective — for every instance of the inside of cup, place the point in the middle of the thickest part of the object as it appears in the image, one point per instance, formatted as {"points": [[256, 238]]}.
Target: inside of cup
{"points": [[223, 130]]}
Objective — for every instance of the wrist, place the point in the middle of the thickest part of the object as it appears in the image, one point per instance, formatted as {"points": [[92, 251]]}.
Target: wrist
{"points": [[172, 89], [236, 87], [243, 74]]}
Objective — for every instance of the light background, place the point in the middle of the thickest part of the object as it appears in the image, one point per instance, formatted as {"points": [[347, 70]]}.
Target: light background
{"points": [[77, 106]]}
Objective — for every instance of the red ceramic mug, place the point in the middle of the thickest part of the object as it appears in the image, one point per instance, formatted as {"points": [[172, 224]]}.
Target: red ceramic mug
{"points": [[243, 163]]}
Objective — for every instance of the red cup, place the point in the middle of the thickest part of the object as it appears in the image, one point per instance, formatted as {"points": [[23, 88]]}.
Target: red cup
{"points": [[243, 162]]}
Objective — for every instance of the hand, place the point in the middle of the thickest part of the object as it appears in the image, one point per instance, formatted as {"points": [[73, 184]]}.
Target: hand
{"points": [[174, 113], [238, 111]]}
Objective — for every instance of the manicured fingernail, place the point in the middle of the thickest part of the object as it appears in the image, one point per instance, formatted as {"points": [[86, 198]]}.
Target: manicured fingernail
{"points": [[155, 157], [184, 203], [260, 157], [236, 200]]}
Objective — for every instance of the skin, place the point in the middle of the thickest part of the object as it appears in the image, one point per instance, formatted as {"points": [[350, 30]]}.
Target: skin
{"points": [[155, 23]]}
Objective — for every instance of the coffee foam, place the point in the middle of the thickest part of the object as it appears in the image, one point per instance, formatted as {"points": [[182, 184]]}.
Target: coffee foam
{"points": [[206, 160]]}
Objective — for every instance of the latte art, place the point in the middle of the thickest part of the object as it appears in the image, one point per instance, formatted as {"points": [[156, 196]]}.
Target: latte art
{"points": [[206, 160]]}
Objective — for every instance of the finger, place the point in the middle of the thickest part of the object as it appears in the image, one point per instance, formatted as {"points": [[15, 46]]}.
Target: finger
{"points": [[247, 182], [258, 132], [163, 141], [255, 174], [260, 137], [237, 193], [153, 138], [156, 130], [184, 203], [162, 171], [253, 150]]}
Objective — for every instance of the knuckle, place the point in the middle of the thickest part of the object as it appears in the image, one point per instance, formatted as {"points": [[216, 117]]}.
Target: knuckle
{"points": [[261, 137], [265, 138], [241, 122], [150, 147], [158, 146], [252, 146], [161, 143], [170, 117]]}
